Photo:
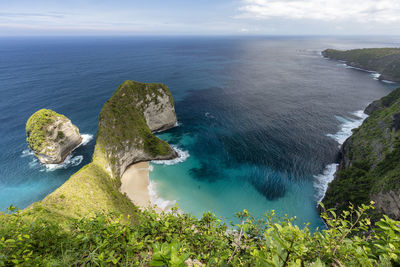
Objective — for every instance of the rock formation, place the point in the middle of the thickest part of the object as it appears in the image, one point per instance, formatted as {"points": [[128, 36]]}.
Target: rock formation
{"points": [[128, 120], [124, 137], [51, 136]]}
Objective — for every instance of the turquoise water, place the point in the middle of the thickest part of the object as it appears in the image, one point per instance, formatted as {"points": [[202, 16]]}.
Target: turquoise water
{"points": [[225, 196], [261, 118]]}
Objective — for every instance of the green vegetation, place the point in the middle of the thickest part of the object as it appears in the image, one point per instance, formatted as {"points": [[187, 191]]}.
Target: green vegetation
{"points": [[171, 239], [87, 192], [36, 128], [123, 113], [371, 157], [383, 60], [87, 221]]}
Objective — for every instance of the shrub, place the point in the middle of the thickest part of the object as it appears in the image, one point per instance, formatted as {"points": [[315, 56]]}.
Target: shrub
{"points": [[174, 238]]}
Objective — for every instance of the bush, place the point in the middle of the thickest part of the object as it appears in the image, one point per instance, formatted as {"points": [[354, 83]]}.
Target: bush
{"points": [[173, 239]]}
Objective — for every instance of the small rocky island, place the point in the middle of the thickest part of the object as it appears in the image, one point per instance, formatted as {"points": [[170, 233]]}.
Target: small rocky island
{"points": [[385, 61], [51, 136]]}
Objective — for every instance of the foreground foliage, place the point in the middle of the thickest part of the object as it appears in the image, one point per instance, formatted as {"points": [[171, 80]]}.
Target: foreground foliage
{"points": [[173, 239]]}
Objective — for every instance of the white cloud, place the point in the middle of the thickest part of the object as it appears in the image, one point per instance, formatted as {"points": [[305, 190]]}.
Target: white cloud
{"points": [[387, 11]]}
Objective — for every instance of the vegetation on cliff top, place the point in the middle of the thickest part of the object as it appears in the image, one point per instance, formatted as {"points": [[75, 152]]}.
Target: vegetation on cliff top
{"points": [[371, 157], [386, 61], [177, 239], [36, 128], [121, 121]]}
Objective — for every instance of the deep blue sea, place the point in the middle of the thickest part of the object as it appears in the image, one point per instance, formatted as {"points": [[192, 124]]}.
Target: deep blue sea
{"points": [[260, 118]]}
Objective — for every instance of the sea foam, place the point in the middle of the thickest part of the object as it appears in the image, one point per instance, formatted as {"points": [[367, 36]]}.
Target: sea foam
{"points": [[375, 75], [386, 81], [70, 160], [182, 156], [155, 199], [322, 180], [86, 138], [348, 124]]}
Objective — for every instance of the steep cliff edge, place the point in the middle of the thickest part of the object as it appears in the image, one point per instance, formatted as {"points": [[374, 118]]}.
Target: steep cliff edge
{"points": [[126, 123], [51, 136], [370, 161], [386, 61], [124, 137]]}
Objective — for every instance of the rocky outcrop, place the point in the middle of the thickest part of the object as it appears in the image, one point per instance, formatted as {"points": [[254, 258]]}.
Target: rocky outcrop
{"points": [[370, 161], [128, 120], [51, 136]]}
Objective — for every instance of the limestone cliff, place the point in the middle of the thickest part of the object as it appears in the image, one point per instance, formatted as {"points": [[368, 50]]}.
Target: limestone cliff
{"points": [[126, 123], [51, 136], [370, 161]]}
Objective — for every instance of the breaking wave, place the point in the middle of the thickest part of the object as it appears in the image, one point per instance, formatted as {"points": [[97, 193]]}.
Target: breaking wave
{"points": [[182, 156], [155, 199], [348, 124], [322, 180], [70, 160]]}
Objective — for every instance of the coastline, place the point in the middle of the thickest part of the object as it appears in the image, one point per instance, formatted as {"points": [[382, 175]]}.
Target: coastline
{"points": [[135, 184], [347, 125], [352, 65]]}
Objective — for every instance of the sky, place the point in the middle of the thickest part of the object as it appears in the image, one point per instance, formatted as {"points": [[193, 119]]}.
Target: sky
{"points": [[200, 17]]}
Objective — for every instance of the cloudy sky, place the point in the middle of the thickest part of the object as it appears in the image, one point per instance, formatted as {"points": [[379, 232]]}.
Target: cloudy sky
{"points": [[200, 17]]}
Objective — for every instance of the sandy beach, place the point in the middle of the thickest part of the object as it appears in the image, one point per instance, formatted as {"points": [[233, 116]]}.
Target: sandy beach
{"points": [[135, 182]]}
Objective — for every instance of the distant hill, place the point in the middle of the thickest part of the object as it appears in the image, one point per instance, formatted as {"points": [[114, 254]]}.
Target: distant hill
{"points": [[386, 61]]}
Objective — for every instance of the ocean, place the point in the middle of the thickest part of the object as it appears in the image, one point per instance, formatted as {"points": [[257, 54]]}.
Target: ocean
{"points": [[261, 119]]}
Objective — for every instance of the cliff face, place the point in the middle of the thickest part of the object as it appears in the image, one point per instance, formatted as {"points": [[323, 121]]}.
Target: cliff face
{"points": [[159, 113], [127, 121], [51, 136], [370, 164], [386, 61]]}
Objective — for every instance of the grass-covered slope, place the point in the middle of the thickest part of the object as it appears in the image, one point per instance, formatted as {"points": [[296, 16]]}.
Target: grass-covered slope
{"points": [[370, 166], [386, 61]]}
